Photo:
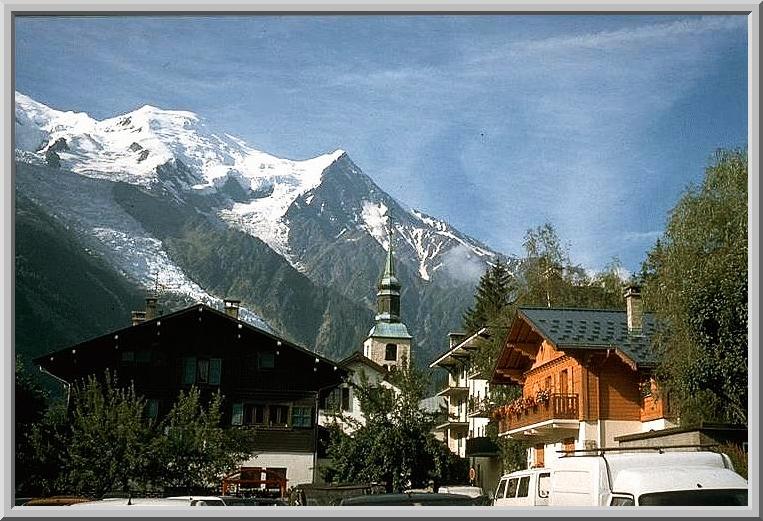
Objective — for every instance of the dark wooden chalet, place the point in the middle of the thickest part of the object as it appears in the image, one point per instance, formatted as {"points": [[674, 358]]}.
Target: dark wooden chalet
{"points": [[269, 385]]}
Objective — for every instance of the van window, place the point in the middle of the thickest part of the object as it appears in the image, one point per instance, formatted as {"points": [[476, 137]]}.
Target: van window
{"points": [[723, 497], [511, 491], [524, 486], [544, 484], [501, 490], [621, 501]]}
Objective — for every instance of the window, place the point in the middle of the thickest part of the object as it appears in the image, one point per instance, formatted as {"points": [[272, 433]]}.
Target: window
{"points": [[143, 357], [501, 490], [564, 382], [568, 444], [390, 353], [128, 356], [524, 486], [189, 370], [237, 415], [266, 360], [152, 408], [278, 414], [201, 370], [254, 414], [332, 401], [621, 501], [544, 484], [346, 401], [215, 370], [302, 416], [511, 491], [704, 497]]}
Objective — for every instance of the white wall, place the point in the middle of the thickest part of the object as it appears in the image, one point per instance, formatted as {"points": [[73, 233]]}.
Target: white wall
{"points": [[657, 425], [298, 465]]}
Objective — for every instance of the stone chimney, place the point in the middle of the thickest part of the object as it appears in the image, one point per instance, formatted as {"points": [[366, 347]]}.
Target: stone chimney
{"points": [[231, 307], [633, 308], [138, 317], [455, 338], [151, 308]]}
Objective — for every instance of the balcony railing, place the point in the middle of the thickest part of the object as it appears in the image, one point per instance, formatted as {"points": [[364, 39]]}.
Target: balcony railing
{"points": [[558, 407], [479, 408]]}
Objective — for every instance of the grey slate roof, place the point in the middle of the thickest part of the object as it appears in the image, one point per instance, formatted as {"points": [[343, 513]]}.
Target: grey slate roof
{"points": [[389, 330], [594, 329]]}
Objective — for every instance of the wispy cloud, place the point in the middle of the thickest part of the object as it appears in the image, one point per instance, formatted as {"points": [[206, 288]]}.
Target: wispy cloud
{"points": [[495, 123], [647, 35]]}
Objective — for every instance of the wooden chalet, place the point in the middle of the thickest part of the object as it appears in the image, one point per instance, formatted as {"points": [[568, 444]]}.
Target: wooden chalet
{"points": [[586, 378], [269, 385]]}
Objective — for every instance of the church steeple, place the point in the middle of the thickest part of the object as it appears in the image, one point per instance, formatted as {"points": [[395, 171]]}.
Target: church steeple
{"points": [[388, 295], [388, 343]]}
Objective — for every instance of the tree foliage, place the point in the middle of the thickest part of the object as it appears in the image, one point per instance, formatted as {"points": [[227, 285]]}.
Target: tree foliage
{"points": [[29, 411], [696, 283], [103, 442], [395, 445], [194, 450], [109, 441]]}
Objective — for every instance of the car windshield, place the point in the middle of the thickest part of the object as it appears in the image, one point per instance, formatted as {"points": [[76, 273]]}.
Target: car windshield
{"points": [[701, 497]]}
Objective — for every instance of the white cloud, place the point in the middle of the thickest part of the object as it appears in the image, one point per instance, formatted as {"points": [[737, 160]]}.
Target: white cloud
{"points": [[461, 263]]}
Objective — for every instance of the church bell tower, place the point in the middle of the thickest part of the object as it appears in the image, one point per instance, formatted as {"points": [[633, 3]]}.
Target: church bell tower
{"points": [[388, 343]]}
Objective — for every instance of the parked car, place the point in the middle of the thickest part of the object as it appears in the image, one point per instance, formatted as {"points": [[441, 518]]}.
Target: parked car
{"points": [[464, 490], [233, 501], [415, 499], [119, 502], [330, 495], [55, 501], [523, 488], [664, 478], [202, 501]]}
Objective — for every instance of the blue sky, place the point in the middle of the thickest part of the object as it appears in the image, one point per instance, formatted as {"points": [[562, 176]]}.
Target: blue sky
{"points": [[494, 123]]}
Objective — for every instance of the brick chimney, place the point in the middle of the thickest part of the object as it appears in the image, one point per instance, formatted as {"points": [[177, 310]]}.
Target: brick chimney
{"points": [[151, 308], [633, 308], [231, 307], [138, 317]]}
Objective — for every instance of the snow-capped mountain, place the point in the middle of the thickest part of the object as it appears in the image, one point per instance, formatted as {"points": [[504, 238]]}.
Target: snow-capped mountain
{"points": [[121, 180]]}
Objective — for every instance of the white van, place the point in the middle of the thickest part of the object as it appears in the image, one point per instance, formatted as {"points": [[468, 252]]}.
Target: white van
{"points": [[670, 478], [523, 488]]}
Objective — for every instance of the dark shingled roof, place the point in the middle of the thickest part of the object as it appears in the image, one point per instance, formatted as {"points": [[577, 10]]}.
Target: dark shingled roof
{"points": [[594, 329]]}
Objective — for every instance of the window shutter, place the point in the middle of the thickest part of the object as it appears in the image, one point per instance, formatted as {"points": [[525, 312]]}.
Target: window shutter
{"points": [[189, 370], [215, 366], [237, 418]]}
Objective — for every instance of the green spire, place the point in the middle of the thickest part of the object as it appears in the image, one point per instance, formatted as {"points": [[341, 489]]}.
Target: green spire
{"points": [[388, 296], [389, 268]]}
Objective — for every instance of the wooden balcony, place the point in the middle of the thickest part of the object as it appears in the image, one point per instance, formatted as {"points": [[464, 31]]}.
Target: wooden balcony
{"points": [[558, 407]]}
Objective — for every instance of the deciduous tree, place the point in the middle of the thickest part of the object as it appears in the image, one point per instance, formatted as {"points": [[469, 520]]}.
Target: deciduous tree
{"points": [[696, 282], [395, 445]]}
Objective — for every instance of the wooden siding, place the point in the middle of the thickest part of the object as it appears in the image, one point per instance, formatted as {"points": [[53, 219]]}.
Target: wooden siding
{"points": [[652, 406], [547, 373], [619, 391]]}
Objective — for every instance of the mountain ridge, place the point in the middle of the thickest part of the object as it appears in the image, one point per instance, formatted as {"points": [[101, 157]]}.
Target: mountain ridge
{"points": [[322, 217]]}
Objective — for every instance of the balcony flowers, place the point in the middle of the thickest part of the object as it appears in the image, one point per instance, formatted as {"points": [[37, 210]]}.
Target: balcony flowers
{"points": [[542, 396]]}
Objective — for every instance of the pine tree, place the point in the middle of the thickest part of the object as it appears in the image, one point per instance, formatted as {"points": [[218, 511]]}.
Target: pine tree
{"points": [[493, 294]]}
